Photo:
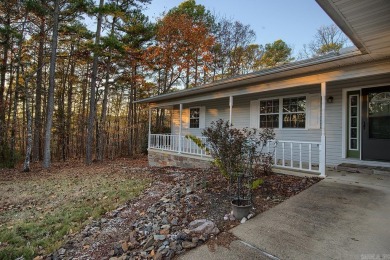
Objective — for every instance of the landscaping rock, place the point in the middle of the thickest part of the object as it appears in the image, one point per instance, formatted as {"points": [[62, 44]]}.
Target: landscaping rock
{"points": [[165, 227], [61, 251], [203, 226], [118, 250], [175, 221], [161, 225], [148, 243], [159, 237], [188, 245], [195, 240]]}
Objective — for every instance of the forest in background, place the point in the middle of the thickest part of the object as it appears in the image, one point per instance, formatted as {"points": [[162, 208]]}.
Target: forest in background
{"points": [[68, 91]]}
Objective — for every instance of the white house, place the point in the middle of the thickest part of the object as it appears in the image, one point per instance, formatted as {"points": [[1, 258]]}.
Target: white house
{"points": [[325, 111]]}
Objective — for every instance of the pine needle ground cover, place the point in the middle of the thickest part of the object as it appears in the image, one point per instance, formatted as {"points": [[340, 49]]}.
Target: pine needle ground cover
{"points": [[39, 210]]}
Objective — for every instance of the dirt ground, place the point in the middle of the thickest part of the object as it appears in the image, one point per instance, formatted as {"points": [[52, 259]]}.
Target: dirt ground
{"points": [[127, 187]]}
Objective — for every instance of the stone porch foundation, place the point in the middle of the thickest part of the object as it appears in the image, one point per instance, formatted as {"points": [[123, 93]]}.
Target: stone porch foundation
{"points": [[160, 158]]}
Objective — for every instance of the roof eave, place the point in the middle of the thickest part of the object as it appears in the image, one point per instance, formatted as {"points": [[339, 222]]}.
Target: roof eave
{"points": [[339, 19]]}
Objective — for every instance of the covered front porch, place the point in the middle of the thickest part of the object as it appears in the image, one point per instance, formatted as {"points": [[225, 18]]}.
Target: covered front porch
{"points": [[335, 125], [301, 149]]}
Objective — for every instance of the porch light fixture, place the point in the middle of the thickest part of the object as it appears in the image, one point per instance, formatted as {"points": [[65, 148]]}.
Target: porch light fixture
{"points": [[330, 99]]}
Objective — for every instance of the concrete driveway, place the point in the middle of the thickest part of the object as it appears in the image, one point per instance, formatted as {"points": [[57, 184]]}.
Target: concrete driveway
{"points": [[345, 216]]}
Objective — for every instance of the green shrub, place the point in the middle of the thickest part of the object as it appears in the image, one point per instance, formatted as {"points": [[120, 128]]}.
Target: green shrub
{"points": [[236, 150], [239, 155]]}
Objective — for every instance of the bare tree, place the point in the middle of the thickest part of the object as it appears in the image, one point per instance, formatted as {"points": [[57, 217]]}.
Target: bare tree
{"points": [[231, 39], [326, 40]]}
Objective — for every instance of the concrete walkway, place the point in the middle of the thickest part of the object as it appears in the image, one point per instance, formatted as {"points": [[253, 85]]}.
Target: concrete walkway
{"points": [[345, 216]]}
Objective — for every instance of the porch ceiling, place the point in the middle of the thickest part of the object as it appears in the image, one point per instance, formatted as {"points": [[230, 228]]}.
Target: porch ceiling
{"points": [[366, 22]]}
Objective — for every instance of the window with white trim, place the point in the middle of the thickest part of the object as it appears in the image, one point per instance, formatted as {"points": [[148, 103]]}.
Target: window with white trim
{"points": [[291, 112], [194, 117], [294, 112], [269, 113]]}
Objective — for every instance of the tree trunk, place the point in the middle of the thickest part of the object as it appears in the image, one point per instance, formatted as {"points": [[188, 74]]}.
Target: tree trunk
{"points": [[102, 125], [38, 95], [130, 117], [16, 95], [3, 71], [69, 107], [9, 95], [82, 119], [92, 105], [135, 122], [26, 165], [62, 117], [188, 76], [50, 98]]}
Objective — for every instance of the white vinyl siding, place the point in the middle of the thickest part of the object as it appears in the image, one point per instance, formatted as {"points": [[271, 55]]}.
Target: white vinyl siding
{"points": [[202, 117], [185, 118]]}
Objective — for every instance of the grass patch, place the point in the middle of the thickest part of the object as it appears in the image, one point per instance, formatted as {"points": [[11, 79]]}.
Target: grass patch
{"points": [[37, 214]]}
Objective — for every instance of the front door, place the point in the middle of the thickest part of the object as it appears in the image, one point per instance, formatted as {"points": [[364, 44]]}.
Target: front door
{"points": [[375, 125]]}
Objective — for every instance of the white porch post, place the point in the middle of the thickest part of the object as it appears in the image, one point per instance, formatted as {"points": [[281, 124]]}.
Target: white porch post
{"points": [[180, 126], [230, 109], [150, 125], [323, 137]]}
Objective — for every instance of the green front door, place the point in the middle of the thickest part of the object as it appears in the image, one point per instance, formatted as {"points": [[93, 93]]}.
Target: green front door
{"points": [[353, 132]]}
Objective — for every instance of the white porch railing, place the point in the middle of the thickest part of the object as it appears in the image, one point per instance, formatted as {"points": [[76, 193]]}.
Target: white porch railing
{"points": [[168, 142], [295, 155]]}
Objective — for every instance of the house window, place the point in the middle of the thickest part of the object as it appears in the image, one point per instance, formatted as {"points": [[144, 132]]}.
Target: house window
{"points": [[194, 117], [294, 112], [269, 113]]}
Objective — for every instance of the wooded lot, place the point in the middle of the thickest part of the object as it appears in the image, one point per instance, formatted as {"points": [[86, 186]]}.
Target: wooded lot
{"points": [[72, 70]]}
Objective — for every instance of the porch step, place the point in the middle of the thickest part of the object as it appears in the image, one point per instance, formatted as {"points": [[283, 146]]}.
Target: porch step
{"points": [[358, 168]]}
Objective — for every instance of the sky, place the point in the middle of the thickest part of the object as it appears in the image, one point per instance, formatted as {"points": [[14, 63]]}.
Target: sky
{"points": [[293, 21]]}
